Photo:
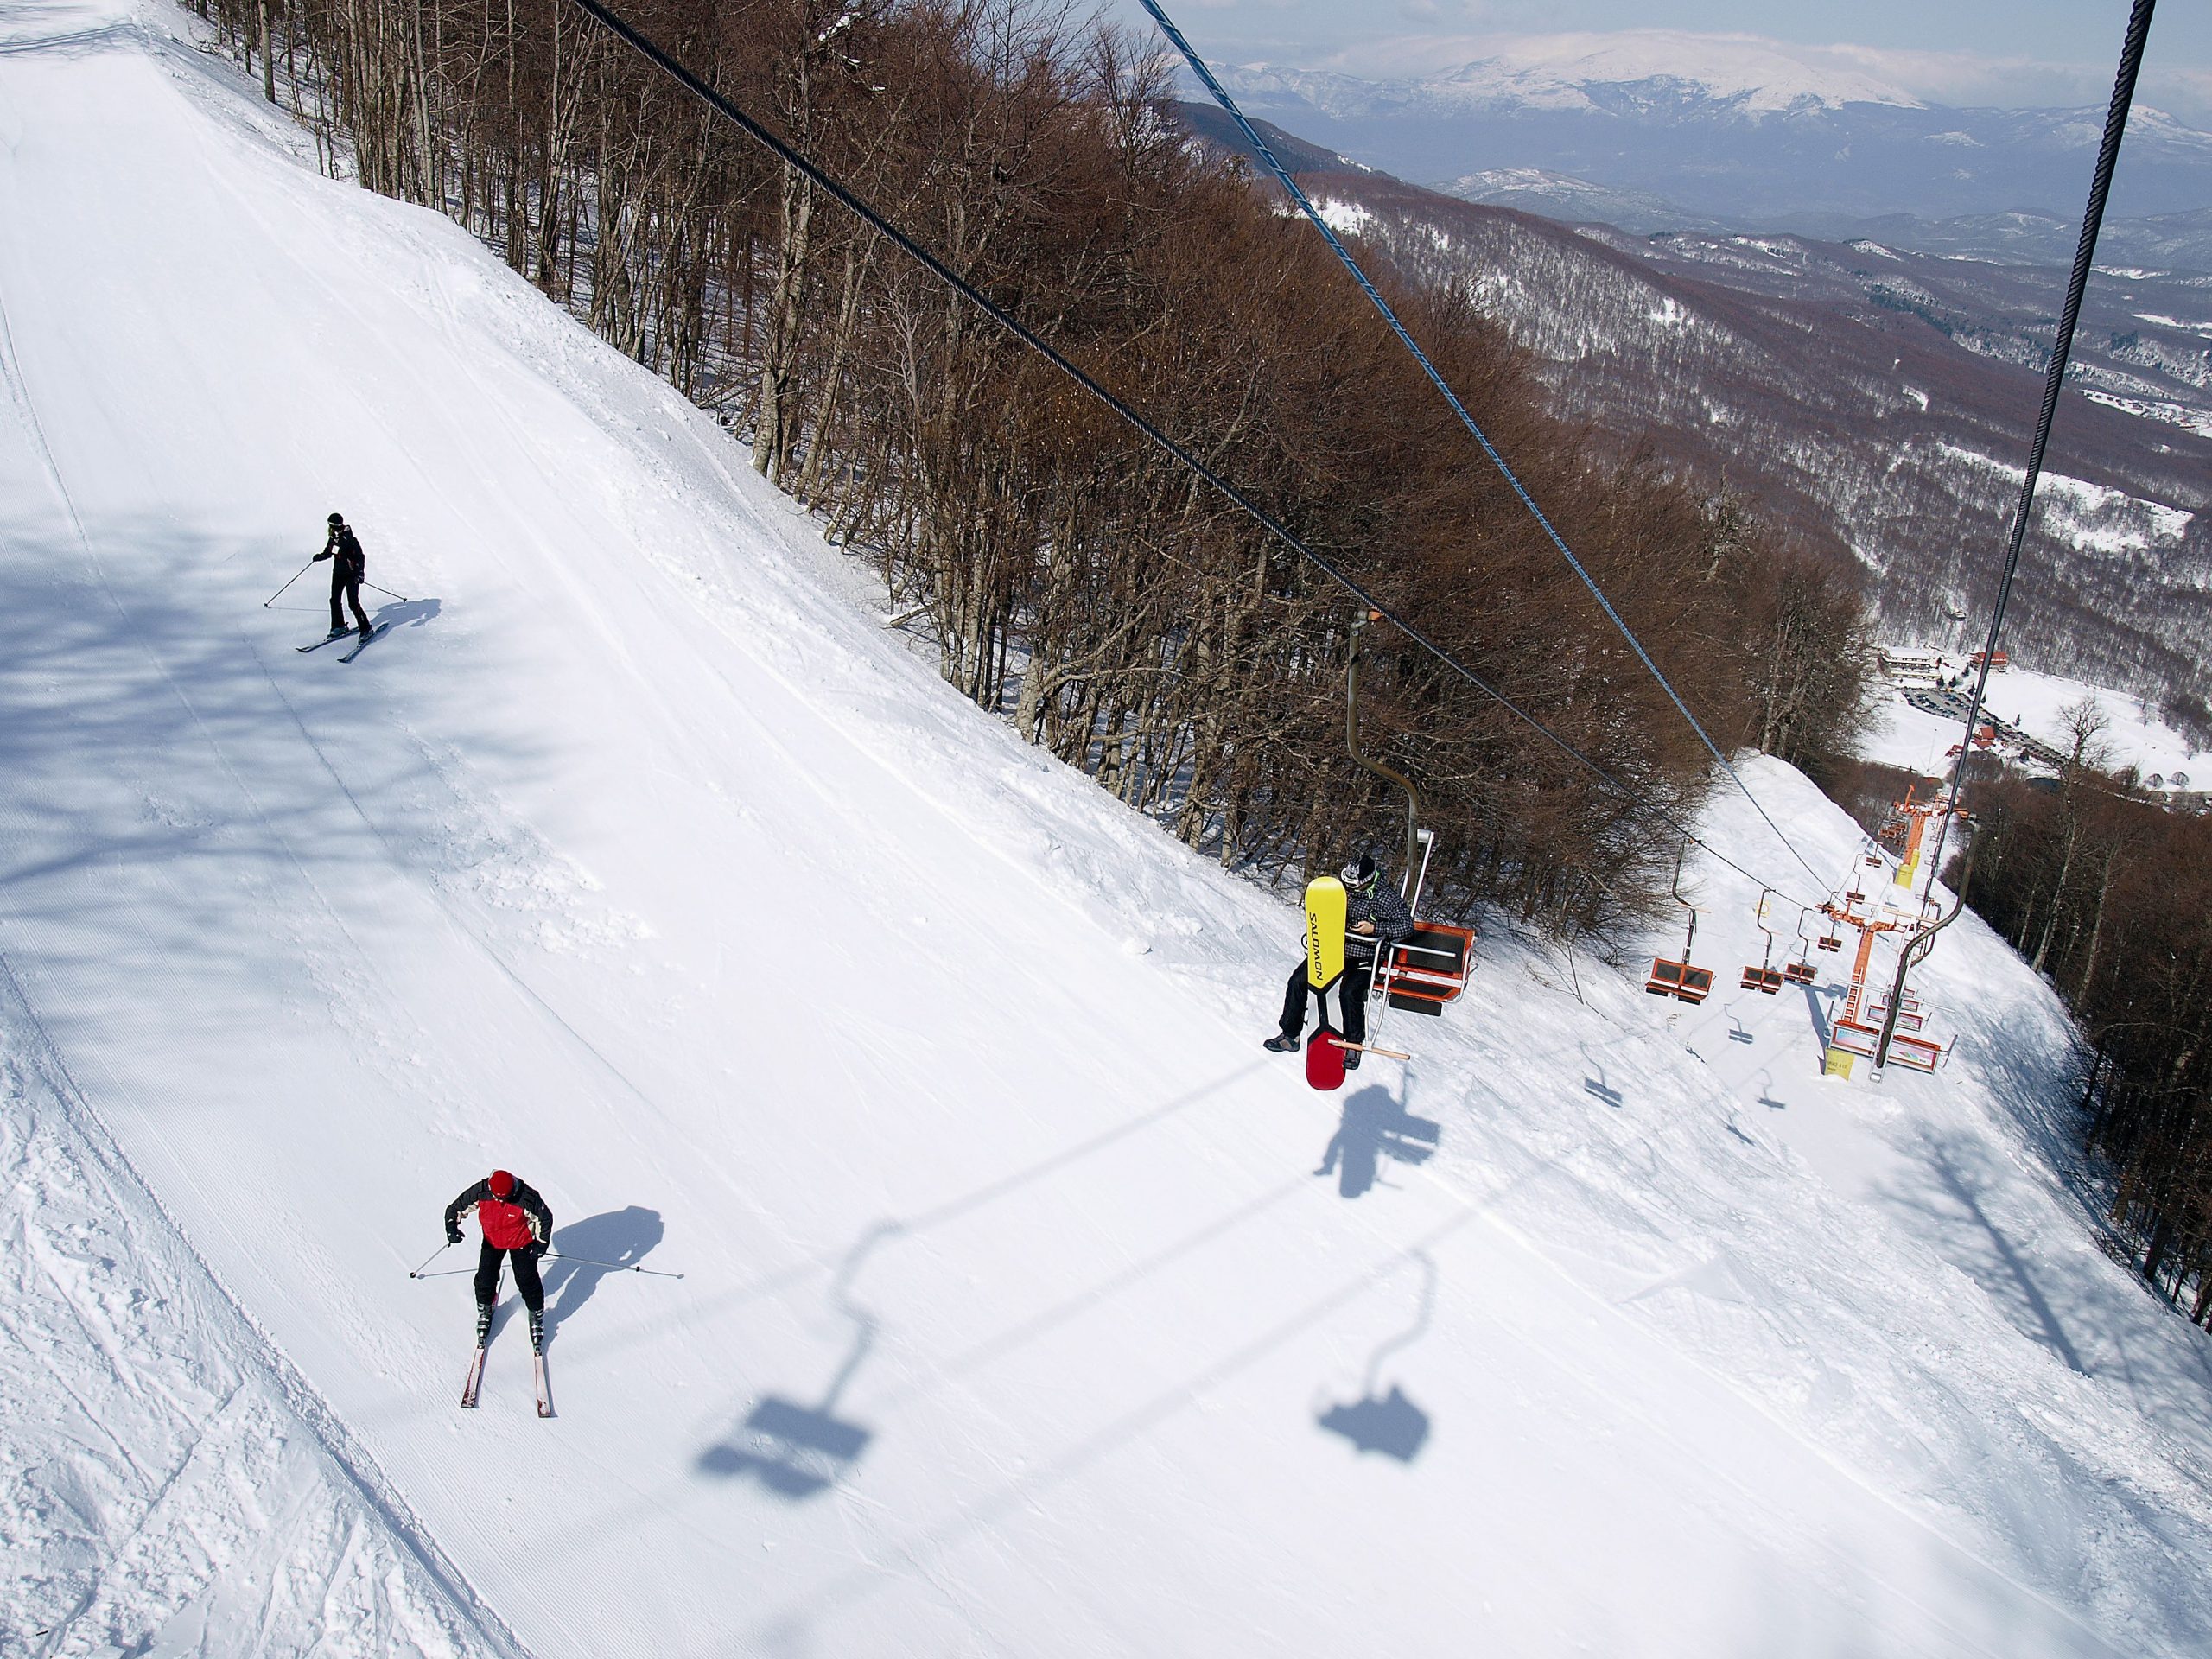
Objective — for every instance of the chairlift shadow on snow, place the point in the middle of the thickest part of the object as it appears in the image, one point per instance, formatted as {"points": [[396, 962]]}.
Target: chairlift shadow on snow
{"points": [[1598, 1086], [1375, 1126], [619, 1236], [797, 1451], [1389, 1424]]}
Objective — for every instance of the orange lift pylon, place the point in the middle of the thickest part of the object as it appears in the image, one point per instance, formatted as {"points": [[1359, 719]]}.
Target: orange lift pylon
{"points": [[1907, 828], [1850, 1036]]}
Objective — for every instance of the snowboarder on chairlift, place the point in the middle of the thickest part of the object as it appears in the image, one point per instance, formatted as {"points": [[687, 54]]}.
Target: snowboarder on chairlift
{"points": [[1375, 916], [349, 567], [517, 1226]]}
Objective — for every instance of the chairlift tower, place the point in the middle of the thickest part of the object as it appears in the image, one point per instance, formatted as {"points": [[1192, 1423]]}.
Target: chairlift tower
{"points": [[1858, 1032]]}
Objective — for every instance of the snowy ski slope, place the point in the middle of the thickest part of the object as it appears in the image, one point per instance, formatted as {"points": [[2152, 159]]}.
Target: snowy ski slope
{"points": [[1028, 1307]]}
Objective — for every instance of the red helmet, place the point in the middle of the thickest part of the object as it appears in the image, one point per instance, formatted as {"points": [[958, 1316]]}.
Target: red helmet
{"points": [[501, 1182]]}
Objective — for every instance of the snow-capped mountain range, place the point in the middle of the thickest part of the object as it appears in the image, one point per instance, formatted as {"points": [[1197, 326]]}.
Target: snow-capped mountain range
{"points": [[1570, 72], [1729, 128]]}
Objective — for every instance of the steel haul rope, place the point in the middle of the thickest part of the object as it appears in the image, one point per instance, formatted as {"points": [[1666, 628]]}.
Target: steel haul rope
{"points": [[2085, 253]]}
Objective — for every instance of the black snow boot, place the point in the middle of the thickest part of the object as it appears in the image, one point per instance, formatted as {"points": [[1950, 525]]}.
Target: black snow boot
{"points": [[483, 1322], [1351, 1059], [537, 1329], [1282, 1043]]}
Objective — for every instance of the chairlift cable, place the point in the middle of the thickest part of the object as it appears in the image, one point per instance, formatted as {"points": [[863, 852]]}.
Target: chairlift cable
{"points": [[2085, 252], [1305, 205], [646, 47]]}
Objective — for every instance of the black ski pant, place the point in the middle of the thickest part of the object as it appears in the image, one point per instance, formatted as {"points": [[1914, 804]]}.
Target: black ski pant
{"points": [[1351, 996], [345, 591], [526, 1281]]}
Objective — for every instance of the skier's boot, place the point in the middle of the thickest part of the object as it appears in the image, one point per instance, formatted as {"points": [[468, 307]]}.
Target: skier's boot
{"points": [[537, 1329], [483, 1322], [334, 633], [1282, 1043], [1351, 1059]]}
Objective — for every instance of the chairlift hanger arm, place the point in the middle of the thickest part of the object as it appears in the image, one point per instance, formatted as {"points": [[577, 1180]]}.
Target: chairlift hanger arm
{"points": [[1360, 620]]}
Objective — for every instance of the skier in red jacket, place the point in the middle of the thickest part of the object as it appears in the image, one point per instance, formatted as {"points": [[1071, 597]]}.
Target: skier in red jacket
{"points": [[516, 1225]]}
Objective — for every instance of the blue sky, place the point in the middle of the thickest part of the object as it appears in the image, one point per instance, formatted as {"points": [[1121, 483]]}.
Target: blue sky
{"points": [[1974, 52]]}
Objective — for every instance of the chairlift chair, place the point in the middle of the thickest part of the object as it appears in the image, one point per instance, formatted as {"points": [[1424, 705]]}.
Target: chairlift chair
{"points": [[1683, 979], [1765, 978], [1799, 971], [1421, 974]]}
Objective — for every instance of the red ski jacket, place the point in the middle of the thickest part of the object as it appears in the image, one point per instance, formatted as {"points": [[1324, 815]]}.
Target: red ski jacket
{"points": [[514, 1223]]}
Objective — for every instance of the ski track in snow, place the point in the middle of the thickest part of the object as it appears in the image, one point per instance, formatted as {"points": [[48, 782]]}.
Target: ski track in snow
{"points": [[1018, 1317]]}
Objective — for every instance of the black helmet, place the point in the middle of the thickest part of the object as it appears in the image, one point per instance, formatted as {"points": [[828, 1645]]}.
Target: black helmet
{"points": [[1359, 873], [336, 519]]}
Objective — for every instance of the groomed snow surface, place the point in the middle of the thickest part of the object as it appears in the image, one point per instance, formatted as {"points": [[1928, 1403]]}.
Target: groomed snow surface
{"points": [[1028, 1308]]}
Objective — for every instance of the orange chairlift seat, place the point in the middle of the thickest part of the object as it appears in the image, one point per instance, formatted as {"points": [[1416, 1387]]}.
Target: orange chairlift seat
{"points": [[1683, 979], [1766, 978], [1421, 974], [1909, 1016], [1800, 971]]}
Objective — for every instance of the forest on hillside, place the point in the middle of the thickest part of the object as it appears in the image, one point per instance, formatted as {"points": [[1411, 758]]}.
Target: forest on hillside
{"points": [[2108, 894], [1076, 581], [1891, 437]]}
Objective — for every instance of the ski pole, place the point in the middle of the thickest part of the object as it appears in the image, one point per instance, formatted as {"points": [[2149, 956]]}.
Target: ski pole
{"points": [[617, 1267], [434, 1255], [294, 577], [1370, 1048], [402, 597]]}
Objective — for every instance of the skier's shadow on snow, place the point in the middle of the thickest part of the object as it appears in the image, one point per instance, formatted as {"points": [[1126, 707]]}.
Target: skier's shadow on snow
{"points": [[406, 613], [1375, 1126], [619, 1237]]}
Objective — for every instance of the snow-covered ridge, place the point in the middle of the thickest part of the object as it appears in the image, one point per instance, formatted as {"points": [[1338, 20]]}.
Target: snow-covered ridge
{"points": [[1757, 75], [2094, 517]]}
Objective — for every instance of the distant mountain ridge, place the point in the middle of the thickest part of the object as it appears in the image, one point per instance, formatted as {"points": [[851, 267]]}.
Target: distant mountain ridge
{"points": [[1751, 136], [2171, 241], [1877, 399]]}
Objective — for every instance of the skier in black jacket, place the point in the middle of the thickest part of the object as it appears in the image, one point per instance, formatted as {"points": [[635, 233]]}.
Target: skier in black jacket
{"points": [[516, 1225], [1376, 917], [348, 567]]}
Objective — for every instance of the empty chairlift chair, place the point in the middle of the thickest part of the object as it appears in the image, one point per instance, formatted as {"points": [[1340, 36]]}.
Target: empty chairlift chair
{"points": [[1683, 980], [1799, 971], [1766, 978]]}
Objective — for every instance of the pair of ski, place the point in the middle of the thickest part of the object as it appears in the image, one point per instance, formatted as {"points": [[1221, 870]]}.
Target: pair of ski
{"points": [[468, 1389], [366, 640]]}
